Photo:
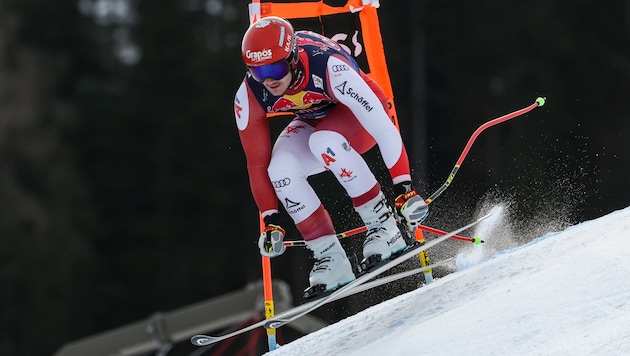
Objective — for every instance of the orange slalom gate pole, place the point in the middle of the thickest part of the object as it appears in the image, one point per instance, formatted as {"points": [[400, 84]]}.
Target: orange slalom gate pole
{"points": [[269, 306], [295, 10], [266, 261], [375, 53], [268, 295]]}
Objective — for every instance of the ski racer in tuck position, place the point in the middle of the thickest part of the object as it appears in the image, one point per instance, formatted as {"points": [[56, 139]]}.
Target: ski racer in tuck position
{"points": [[340, 114]]}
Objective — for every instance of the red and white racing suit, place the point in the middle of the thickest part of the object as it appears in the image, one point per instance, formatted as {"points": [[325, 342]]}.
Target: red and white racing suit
{"points": [[340, 114]]}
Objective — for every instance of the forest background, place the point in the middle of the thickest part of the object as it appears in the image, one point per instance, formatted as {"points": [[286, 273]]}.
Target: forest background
{"points": [[123, 188]]}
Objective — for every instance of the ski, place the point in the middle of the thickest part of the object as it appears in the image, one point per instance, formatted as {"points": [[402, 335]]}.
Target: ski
{"points": [[204, 340], [360, 284], [279, 321], [394, 277]]}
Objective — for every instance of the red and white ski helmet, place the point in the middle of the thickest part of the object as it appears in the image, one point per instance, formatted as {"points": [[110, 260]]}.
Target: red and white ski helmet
{"points": [[269, 40]]}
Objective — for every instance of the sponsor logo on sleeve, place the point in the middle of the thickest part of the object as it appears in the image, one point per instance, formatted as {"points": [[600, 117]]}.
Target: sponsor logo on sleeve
{"points": [[281, 183], [340, 68], [318, 82], [354, 95], [293, 207]]}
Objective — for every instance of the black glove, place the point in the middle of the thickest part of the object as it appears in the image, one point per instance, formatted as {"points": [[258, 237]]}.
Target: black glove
{"points": [[271, 241], [409, 205]]}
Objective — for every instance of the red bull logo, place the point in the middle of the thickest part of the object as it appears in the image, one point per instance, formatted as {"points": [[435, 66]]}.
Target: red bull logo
{"points": [[300, 101]]}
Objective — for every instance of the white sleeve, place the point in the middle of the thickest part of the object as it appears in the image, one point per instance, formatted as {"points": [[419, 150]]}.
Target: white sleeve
{"points": [[349, 89]]}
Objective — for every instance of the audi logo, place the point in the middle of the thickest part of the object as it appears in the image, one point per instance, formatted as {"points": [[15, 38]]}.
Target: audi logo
{"points": [[340, 68], [281, 183]]}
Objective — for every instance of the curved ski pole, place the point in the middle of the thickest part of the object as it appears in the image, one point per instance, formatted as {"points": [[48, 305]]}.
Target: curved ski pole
{"points": [[540, 101], [423, 255]]}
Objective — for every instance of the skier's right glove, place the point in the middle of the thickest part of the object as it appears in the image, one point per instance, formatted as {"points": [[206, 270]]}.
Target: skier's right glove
{"points": [[271, 241], [409, 205]]}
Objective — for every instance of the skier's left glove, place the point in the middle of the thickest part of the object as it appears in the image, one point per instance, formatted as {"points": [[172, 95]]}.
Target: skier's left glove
{"points": [[409, 205], [271, 241]]}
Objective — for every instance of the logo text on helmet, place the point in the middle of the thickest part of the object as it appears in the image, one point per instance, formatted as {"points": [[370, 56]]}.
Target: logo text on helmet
{"points": [[258, 56], [262, 23], [288, 43]]}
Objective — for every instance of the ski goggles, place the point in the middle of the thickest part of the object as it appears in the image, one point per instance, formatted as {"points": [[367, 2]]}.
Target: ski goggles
{"points": [[275, 71]]}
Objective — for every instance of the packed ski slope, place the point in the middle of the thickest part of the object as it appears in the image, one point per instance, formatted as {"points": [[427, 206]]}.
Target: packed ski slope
{"points": [[565, 293]]}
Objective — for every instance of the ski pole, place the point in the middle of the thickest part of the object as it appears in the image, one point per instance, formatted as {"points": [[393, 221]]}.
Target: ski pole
{"points": [[540, 101], [358, 230], [361, 229]]}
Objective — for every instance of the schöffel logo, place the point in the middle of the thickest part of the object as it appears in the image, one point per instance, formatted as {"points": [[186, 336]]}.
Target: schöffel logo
{"points": [[340, 68], [281, 183], [354, 95], [258, 56]]}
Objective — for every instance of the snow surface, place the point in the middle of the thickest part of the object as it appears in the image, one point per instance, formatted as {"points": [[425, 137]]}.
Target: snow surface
{"points": [[565, 293]]}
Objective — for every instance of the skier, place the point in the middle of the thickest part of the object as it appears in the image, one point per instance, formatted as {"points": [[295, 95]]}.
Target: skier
{"points": [[340, 113]]}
